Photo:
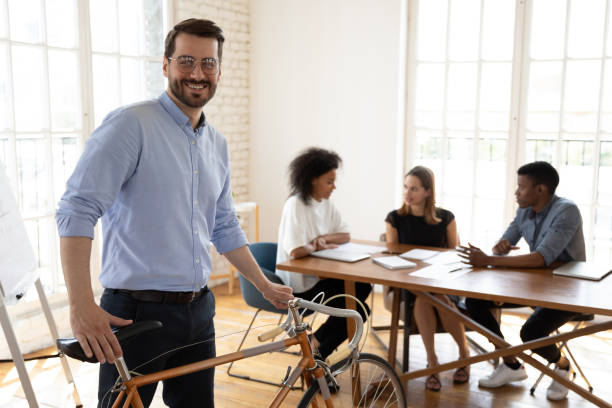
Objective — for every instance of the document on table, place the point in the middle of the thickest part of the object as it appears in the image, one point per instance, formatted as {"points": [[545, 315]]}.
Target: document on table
{"points": [[443, 271], [419, 254], [445, 258]]}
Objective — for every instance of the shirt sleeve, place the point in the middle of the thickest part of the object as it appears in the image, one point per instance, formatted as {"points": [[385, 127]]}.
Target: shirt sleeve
{"points": [[559, 234], [392, 219], [338, 224], [293, 232], [513, 232], [227, 234], [109, 159]]}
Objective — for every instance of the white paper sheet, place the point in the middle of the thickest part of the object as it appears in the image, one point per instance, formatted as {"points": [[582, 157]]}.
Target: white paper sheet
{"points": [[444, 258], [419, 254], [443, 272]]}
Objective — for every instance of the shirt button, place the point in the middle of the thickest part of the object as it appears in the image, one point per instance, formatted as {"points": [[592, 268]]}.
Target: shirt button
{"points": [[193, 142], [197, 261], [195, 201], [195, 232], [195, 172]]}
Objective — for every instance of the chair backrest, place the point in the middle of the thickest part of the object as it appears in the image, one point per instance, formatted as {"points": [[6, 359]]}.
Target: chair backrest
{"points": [[265, 256]]}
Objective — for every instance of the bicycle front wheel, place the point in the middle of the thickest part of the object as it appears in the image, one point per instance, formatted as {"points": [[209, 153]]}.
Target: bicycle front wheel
{"points": [[376, 385]]}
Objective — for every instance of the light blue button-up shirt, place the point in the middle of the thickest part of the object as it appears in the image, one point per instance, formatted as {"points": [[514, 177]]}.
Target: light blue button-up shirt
{"points": [[163, 192], [555, 232]]}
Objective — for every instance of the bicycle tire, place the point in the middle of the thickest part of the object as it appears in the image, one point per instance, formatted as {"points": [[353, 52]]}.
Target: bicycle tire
{"points": [[380, 386]]}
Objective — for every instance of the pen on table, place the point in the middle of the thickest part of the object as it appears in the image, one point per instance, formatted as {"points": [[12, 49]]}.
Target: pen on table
{"points": [[459, 268], [391, 252]]}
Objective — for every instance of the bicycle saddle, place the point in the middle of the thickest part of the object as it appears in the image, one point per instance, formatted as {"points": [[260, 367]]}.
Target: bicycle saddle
{"points": [[72, 348]]}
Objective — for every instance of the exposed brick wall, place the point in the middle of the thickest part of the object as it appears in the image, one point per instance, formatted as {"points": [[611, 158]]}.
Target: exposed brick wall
{"points": [[229, 109]]}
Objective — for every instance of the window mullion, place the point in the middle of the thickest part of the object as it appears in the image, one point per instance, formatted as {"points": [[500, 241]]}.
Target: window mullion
{"points": [[558, 161], [475, 140], [11, 165], [50, 236], [87, 119], [597, 142], [518, 104], [444, 144], [411, 64]]}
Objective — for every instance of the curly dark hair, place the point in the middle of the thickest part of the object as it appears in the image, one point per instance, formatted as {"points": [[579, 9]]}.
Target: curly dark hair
{"points": [[307, 166]]}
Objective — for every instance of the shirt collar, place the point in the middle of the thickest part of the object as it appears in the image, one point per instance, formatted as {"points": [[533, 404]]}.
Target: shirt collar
{"points": [[542, 214], [177, 114]]}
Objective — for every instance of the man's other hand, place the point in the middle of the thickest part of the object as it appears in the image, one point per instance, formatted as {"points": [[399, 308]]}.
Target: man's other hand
{"points": [[91, 327], [503, 247]]}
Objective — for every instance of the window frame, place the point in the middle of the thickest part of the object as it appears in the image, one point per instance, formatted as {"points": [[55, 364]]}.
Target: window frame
{"points": [[516, 151]]}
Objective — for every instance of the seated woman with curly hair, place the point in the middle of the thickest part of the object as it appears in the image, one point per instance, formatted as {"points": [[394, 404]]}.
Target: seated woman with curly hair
{"points": [[310, 222]]}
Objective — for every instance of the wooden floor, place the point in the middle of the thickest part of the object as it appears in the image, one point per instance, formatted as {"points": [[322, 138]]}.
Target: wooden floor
{"points": [[233, 315]]}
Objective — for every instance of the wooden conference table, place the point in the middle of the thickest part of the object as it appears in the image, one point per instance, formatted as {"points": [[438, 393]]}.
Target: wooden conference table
{"points": [[530, 287]]}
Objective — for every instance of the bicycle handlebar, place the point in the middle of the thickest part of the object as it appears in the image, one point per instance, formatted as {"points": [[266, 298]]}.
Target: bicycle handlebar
{"points": [[331, 311]]}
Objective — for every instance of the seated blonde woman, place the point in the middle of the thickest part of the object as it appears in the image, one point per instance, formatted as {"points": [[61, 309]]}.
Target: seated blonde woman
{"points": [[419, 222]]}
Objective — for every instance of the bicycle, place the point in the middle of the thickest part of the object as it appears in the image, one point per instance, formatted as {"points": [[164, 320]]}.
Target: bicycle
{"points": [[347, 378]]}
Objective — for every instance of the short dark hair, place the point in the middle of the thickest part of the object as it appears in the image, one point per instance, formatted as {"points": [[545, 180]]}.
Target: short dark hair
{"points": [[541, 172], [307, 166], [194, 26]]}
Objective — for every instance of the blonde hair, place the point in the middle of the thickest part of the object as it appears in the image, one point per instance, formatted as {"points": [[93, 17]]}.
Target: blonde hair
{"points": [[427, 179]]}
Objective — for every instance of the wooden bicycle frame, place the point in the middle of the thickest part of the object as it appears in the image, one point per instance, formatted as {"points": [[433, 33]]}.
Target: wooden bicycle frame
{"points": [[130, 385]]}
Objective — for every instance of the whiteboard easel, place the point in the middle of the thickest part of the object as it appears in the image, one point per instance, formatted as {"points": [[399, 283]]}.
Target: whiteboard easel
{"points": [[11, 340], [17, 273]]}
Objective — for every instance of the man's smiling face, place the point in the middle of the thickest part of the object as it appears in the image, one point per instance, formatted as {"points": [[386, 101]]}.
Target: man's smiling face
{"points": [[193, 89]]}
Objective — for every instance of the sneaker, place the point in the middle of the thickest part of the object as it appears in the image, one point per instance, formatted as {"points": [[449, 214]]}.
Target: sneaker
{"points": [[502, 376], [556, 391]]}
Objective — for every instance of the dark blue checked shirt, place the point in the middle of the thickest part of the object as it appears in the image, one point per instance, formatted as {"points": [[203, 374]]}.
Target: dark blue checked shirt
{"points": [[555, 232]]}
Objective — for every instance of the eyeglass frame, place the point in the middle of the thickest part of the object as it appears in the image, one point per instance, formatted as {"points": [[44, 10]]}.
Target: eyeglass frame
{"points": [[196, 62]]}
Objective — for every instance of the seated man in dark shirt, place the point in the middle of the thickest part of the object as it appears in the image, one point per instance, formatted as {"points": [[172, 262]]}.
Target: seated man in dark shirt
{"points": [[552, 226]]}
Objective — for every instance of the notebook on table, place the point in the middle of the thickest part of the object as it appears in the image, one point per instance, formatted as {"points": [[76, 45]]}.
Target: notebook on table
{"points": [[393, 262], [583, 270], [339, 255]]}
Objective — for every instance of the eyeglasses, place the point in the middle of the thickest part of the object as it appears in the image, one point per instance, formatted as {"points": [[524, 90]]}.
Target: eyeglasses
{"points": [[186, 64]]}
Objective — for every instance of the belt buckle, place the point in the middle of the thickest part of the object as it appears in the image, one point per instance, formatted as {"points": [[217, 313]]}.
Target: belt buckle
{"points": [[193, 296]]}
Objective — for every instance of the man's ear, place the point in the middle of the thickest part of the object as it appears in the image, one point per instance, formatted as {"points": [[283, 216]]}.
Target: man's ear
{"points": [[165, 67], [541, 189]]}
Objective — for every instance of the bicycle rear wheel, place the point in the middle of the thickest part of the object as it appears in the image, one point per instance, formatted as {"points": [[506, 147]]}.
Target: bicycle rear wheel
{"points": [[378, 386]]}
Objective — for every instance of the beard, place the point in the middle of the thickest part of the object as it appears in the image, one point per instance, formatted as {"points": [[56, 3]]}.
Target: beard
{"points": [[178, 88]]}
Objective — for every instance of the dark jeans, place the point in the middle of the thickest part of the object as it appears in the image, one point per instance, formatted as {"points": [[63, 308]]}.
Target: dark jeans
{"points": [[333, 332], [540, 324], [183, 325]]}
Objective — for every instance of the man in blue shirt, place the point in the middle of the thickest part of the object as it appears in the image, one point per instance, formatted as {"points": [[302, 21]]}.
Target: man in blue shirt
{"points": [[158, 175], [552, 226]]}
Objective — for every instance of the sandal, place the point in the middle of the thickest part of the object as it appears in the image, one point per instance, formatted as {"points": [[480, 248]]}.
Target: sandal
{"points": [[433, 383], [461, 376]]}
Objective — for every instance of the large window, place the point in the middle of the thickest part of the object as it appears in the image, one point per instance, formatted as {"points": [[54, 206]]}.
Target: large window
{"points": [[499, 83], [49, 94]]}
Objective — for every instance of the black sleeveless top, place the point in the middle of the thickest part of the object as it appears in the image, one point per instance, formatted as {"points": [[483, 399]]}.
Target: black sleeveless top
{"points": [[415, 231]]}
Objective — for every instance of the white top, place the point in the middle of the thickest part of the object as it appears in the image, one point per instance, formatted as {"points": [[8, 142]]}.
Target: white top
{"points": [[299, 225]]}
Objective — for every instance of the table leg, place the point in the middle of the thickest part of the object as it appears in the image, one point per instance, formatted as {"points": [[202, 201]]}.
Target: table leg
{"points": [[395, 312], [506, 349], [349, 289]]}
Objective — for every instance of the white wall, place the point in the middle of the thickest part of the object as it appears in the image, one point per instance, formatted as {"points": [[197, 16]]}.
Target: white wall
{"points": [[328, 73]]}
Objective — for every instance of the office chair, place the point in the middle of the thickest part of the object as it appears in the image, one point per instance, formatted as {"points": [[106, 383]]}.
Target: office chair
{"points": [[579, 321], [265, 256]]}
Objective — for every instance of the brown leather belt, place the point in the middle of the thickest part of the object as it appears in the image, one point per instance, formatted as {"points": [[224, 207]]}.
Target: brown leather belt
{"points": [[159, 296]]}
